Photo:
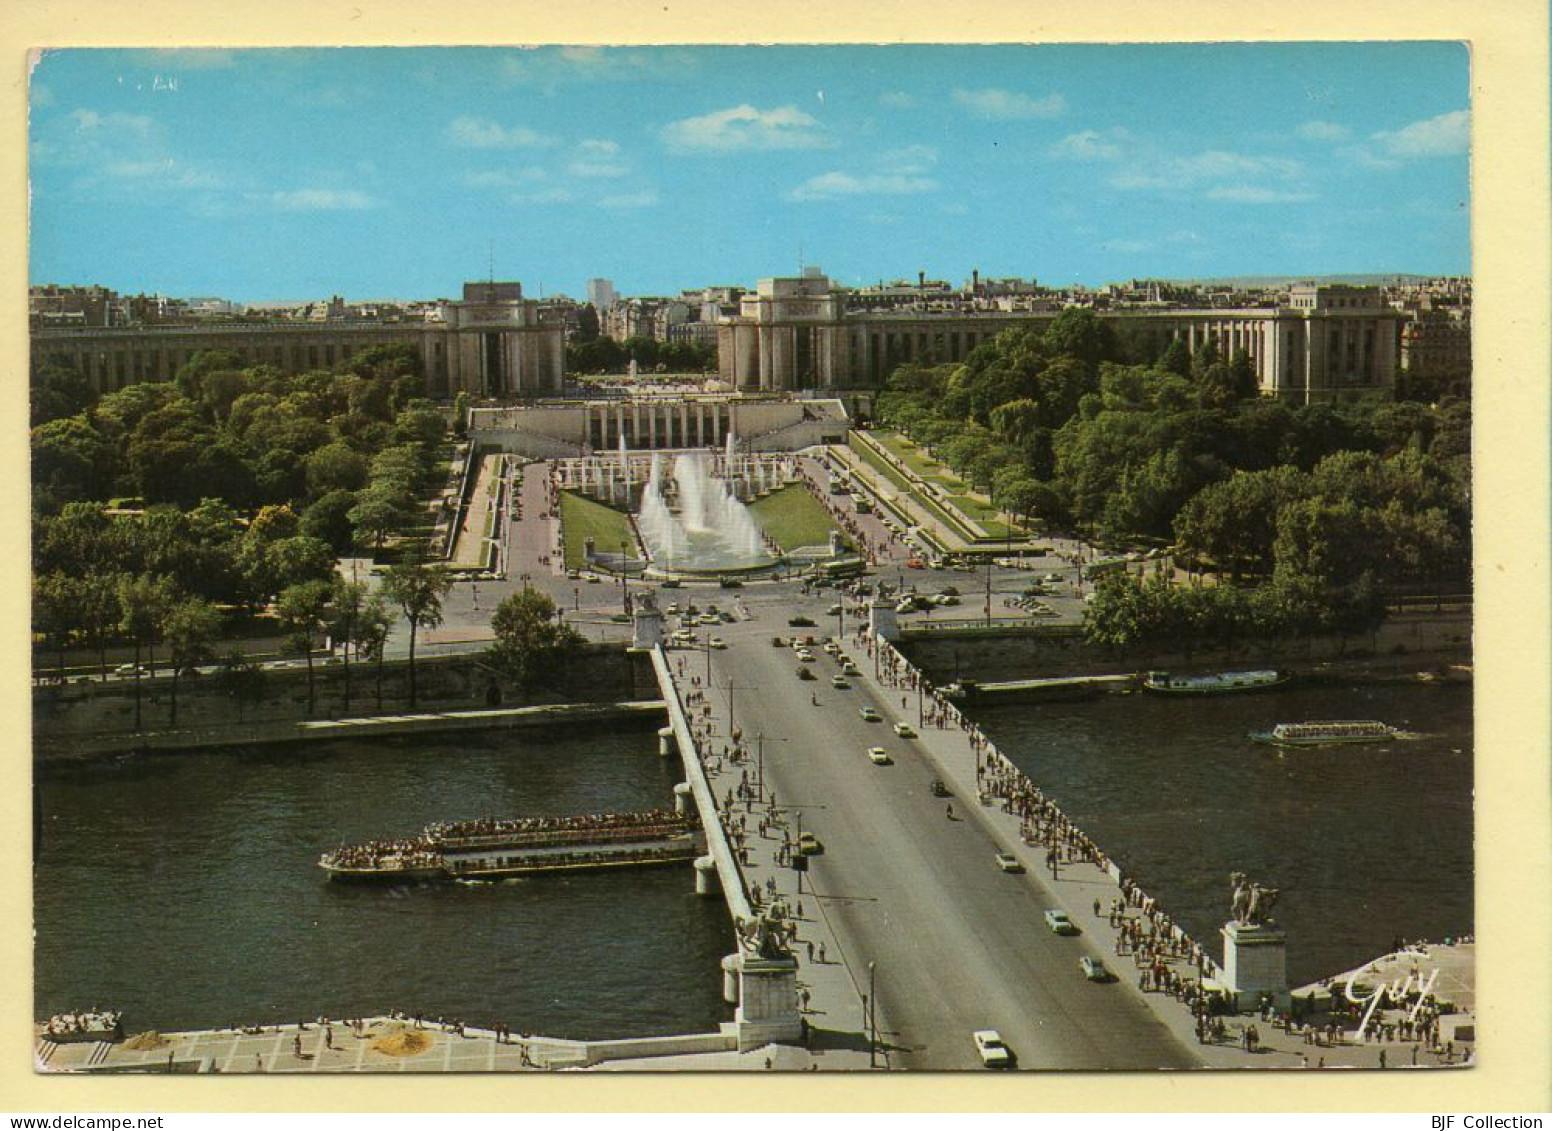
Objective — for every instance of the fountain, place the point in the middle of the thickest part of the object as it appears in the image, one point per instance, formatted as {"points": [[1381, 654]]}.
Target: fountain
{"points": [[711, 531]]}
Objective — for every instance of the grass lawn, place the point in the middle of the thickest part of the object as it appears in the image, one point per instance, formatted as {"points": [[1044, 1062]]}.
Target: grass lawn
{"points": [[793, 518], [873, 460], [919, 461], [582, 518]]}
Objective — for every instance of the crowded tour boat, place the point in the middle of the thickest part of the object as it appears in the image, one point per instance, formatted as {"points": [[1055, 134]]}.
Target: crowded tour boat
{"points": [[84, 1025], [1327, 733], [1213, 683], [492, 848]]}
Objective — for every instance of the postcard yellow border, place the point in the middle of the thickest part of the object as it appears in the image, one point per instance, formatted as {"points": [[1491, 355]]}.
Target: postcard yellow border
{"points": [[1512, 266]]}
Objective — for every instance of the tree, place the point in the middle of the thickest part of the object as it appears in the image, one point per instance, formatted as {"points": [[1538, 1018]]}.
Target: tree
{"points": [[336, 467], [144, 603], [192, 628], [1080, 334], [378, 511], [242, 679], [372, 635], [58, 391], [1176, 358], [529, 640], [345, 622], [302, 609], [55, 601], [417, 588], [71, 461], [99, 613], [328, 520]]}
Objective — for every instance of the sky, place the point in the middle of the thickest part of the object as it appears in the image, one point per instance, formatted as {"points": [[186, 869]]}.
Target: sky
{"points": [[401, 172]]}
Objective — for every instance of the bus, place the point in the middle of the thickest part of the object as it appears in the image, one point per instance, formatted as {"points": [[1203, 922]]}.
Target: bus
{"points": [[864, 506]]}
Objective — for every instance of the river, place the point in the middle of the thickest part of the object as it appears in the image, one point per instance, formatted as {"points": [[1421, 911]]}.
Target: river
{"points": [[184, 890], [1367, 843]]}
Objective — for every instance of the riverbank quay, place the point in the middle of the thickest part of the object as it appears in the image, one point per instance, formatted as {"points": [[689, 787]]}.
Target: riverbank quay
{"points": [[398, 1043], [57, 750], [1149, 955]]}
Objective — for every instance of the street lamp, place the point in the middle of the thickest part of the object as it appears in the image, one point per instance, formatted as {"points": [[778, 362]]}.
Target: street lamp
{"points": [[525, 577], [871, 1005], [624, 581]]}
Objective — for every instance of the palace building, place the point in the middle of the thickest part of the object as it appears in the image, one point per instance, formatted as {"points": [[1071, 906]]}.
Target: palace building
{"points": [[1324, 343], [492, 343]]}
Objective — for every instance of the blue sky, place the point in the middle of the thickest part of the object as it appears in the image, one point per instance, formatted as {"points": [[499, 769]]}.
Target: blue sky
{"points": [[401, 172]]}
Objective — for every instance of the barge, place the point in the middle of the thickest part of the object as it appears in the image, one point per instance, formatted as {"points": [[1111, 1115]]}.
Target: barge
{"points": [[1328, 733], [1214, 683], [493, 849]]}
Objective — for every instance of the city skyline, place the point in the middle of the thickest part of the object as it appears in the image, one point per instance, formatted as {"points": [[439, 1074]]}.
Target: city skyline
{"points": [[664, 168]]}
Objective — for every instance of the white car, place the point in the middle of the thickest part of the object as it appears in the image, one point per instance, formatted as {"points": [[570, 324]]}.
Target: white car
{"points": [[904, 731], [994, 1054], [716, 642], [839, 683], [1059, 922], [1009, 862], [805, 656], [869, 715], [879, 756]]}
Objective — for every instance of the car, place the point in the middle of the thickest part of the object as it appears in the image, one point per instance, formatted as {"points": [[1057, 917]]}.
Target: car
{"points": [[727, 617], [1009, 862], [938, 789], [1052, 578], [949, 591], [673, 609], [849, 668], [904, 731], [710, 618], [593, 579], [573, 575], [993, 1053], [839, 683], [800, 622], [809, 845], [879, 756], [915, 563], [805, 656], [833, 611], [670, 583], [869, 715], [831, 648], [716, 642], [1059, 922], [805, 673], [128, 669], [1094, 970], [730, 582]]}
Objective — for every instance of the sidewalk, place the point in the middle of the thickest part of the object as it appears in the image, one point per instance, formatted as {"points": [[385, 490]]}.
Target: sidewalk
{"points": [[1080, 888], [834, 1010]]}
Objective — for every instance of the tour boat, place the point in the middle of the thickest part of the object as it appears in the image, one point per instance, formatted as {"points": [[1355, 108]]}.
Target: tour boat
{"points": [[84, 1025], [1326, 733], [1213, 683], [497, 849]]}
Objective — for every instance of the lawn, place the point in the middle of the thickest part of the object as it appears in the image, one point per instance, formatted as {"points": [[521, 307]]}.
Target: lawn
{"points": [[793, 518], [879, 464], [582, 518], [919, 461]]}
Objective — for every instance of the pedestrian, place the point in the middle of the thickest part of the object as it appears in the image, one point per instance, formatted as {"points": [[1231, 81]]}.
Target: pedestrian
{"points": [[299, 1046], [1382, 1058]]}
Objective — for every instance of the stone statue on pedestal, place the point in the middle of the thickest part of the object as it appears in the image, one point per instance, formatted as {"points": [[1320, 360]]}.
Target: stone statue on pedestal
{"points": [[758, 936], [1252, 904]]}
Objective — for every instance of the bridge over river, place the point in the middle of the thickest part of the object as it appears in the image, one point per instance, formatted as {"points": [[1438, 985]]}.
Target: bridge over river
{"points": [[909, 931]]}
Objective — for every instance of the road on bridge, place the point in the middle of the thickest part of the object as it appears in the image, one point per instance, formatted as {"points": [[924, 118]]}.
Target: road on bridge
{"points": [[959, 945]]}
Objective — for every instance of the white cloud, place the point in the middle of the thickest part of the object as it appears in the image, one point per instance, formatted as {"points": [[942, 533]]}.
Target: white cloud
{"points": [[322, 200], [1322, 131], [166, 171], [500, 178], [630, 200], [897, 100], [1126, 246], [826, 186], [481, 133], [1094, 145], [747, 128], [1009, 104], [90, 121], [910, 159], [41, 96], [1256, 194], [597, 158], [1447, 135]]}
